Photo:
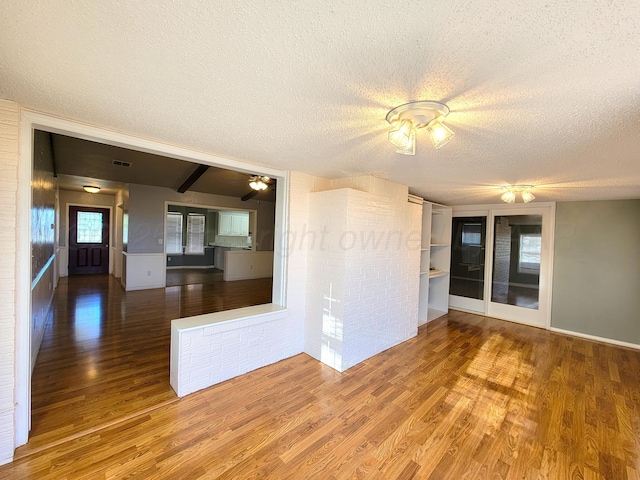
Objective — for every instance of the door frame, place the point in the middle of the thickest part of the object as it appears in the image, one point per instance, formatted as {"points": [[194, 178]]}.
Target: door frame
{"points": [[546, 275], [111, 234], [31, 120]]}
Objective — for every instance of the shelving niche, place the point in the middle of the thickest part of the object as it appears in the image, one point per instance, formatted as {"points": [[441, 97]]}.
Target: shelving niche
{"points": [[435, 261]]}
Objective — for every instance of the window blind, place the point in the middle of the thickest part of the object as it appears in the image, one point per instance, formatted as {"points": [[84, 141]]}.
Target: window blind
{"points": [[174, 233], [195, 233]]}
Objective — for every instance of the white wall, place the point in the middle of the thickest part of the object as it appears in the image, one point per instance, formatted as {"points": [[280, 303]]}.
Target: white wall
{"points": [[362, 271], [143, 271], [243, 265], [9, 148]]}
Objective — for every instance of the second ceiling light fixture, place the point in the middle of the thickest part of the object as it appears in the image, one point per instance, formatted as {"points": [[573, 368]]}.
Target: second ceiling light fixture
{"points": [[406, 119]]}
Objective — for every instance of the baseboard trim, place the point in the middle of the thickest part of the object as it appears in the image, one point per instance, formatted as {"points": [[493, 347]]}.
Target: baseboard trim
{"points": [[561, 331], [571, 333], [178, 267]]}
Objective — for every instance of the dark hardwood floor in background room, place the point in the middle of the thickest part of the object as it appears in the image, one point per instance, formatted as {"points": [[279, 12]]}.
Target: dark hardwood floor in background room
{"points": [[468, 398], [105, 352]]}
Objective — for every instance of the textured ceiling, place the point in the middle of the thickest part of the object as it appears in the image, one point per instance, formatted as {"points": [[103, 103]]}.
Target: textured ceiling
{"points": [[543, 93]]}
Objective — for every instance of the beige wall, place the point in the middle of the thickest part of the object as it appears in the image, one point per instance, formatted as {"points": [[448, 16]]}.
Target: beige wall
{"points": [[9, 150]]}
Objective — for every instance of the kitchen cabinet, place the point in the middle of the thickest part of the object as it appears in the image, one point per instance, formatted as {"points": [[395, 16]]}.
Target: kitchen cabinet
{"points": [[234, 224]]}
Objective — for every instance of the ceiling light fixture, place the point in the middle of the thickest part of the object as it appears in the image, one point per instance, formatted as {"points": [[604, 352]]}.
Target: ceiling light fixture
{"points": [[406, 119], [510, 191], [91, 189], [259, 182]]}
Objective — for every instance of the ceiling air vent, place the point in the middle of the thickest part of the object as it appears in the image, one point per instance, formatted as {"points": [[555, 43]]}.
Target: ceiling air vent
{"points": [[120, 163]]}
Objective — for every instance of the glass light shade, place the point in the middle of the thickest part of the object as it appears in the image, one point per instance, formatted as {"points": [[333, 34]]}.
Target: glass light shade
{"points": [[259, 183], [401, 137], [91, 189], [439, 133], [410, 148], [527, 196], [509, 196]]}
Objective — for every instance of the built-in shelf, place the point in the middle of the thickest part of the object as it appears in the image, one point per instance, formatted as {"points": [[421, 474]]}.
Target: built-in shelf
{"points": [[437, 273], [435, 259]]}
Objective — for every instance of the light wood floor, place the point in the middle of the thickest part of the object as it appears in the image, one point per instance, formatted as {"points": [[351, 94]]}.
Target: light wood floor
{"points": [[468, 398], [105, 352], [190, 276]]}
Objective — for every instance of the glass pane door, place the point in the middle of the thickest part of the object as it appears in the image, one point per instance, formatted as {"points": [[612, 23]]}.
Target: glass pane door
{"points": [[521, 241], [468, 237], [517, 249]]}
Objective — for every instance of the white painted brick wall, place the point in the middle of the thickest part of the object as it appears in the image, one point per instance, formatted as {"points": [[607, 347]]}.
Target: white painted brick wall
{"points": [[362, 287], [210, 354], [9, 150], [298, 238]]}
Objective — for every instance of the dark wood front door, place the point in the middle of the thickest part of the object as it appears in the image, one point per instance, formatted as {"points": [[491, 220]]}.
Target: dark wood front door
{"points": [[88, 240]]}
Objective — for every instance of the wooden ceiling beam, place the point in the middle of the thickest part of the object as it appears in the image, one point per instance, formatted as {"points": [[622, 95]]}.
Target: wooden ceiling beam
{"points": [[197, 173]]}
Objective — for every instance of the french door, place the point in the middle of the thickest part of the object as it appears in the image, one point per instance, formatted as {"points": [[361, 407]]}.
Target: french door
{"points": [[501, 262], [468, 253]]}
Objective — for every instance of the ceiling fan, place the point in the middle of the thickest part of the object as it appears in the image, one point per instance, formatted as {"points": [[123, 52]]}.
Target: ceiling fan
{"points": [[258, 183]]}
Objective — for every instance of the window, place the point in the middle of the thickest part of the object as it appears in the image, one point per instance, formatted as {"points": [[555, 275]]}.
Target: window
{"points": [[529, 254], [195, 234], [471, 243], [89, 227], [471, 234], [174, 233]]}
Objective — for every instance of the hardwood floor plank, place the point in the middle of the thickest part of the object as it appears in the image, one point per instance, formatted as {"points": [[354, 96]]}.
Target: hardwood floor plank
{"points": [[469, 398], [105, 352]]}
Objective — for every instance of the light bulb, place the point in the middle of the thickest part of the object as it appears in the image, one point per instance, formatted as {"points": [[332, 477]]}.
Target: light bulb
{"points": [[509, 196], [410, 148], [401, 137], [91, 189], [527, 196], [439, 133], [259, 183]]}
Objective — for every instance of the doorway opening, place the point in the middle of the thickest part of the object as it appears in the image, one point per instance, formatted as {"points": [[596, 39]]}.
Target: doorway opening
{"points": [[88, 307]]}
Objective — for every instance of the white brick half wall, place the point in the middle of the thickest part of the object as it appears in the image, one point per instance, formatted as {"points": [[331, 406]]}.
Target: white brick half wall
{"points": [[9, 149], [209, 349], [215, 347], [362, 270]]}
